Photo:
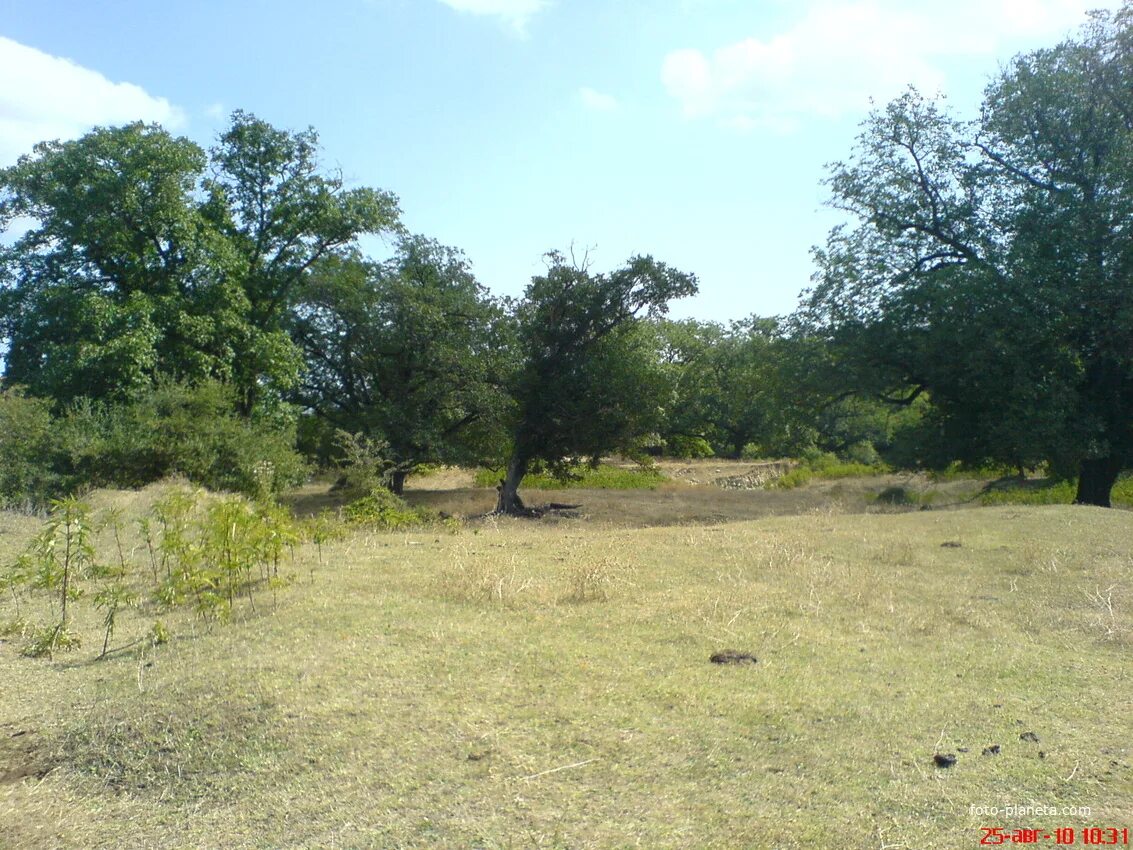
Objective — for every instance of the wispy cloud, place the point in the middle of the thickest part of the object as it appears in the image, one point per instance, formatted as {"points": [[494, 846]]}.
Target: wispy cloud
{"points": [[514, 13], [46, 97], [840, 54], [596, 100]]}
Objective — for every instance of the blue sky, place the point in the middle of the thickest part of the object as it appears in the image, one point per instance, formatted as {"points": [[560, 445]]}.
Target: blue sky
{"points": [[694, 130]]}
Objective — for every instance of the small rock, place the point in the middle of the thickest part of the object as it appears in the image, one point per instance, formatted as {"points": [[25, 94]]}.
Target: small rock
{"points": [[944, 759], [1029, 736], [993, 750], [951, 544]]}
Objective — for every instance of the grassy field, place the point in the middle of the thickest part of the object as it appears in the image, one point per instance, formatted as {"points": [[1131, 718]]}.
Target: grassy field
{"points": [[526, 684]]}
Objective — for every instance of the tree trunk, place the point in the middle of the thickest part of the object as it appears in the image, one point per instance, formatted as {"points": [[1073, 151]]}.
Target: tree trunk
{"points": [[1096, 477], [509, 501], [397, 481]]}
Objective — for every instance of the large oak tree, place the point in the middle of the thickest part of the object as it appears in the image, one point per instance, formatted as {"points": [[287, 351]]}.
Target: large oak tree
{"points": [[991, 263], [149, 259]]}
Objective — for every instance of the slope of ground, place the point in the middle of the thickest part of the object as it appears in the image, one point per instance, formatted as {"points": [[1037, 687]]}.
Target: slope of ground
{"points": [[518, 684]]}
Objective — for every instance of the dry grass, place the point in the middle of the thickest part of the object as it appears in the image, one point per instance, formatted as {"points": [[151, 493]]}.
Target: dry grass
{"points": [[521, 684]]}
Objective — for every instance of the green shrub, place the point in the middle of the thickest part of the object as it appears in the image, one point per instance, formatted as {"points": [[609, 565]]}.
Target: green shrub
{"points": [[1045, 493], [27, 477], [752, 451], [957, 471], [365, 464], [176, 429], [382, 509], [1050, 491], [863, 453], [825, 465], [797, 477], [688, 447], [197, 549]]}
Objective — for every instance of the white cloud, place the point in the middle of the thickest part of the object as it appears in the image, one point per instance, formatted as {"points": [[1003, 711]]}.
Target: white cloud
{"points": [[515, 13], [46, 97], [842, 53], [596, 100]]}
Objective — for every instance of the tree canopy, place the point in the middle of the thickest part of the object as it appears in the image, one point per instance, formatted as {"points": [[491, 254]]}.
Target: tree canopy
{"points": [[150, 259], [588, 379], [991, 263], [412, 351]]}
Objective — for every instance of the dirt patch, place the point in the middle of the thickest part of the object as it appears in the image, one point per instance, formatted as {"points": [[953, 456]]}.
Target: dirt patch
{"points": [[446, 478], [691, 496], [736, 475], [21, 755]]}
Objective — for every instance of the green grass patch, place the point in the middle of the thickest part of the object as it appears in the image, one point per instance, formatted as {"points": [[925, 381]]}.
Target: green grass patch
{"points": [[826, 467], [605, 477], [960, 472], [1050, 492]]}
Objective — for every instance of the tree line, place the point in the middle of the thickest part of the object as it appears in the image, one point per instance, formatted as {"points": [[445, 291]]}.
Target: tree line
{"points": [[171, 308]]}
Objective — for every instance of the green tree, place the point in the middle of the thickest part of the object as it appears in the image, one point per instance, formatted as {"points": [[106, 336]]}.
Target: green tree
{"points": [[150, 259], [280, 216], [100, 295], [991, 264], [412, 352], [747, 402], [26, 450], [686, 352], [589, 380], [748, 383]]}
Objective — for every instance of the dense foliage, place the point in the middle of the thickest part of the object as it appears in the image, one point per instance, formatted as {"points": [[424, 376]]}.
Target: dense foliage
{"points": [[991, 264], [412, 350], [172, 310], [172, 429], [151, 259], [587, 380]]}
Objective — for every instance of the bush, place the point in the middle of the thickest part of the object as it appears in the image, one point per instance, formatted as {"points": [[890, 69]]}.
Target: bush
{"points": [[26, 474], [382, 509], [863, 453], [797, 477], [689, 447], [172, 430], [366, 466], [819, 464], [1025, 493], [204, 440], [1051, 492]]}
